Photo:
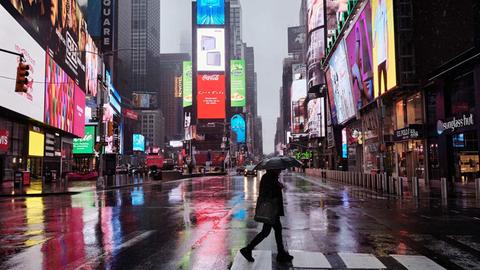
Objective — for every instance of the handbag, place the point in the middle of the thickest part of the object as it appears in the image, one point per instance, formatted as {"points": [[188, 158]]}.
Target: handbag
{"points": [[266, 210]]}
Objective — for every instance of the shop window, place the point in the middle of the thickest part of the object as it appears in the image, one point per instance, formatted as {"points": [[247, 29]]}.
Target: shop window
{"points": [[415, 109], [461, 94], [399, 115]]}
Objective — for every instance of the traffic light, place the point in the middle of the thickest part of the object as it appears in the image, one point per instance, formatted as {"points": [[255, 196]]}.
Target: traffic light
{"points": [[110, 129], [22, 80]]}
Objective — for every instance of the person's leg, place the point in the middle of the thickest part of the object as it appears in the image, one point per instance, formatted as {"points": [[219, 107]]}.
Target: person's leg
{"points": [[260, 236], [278, 236]]}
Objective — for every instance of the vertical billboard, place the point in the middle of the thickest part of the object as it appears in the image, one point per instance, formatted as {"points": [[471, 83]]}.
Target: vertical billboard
{"points": [[316, 118], [298, 96], [36, 144], [237, 83], [211, 12], [339, 81], [91, 67], [297, 38], [210, 49], [85, 144], [14, 38], [359, 51], [138, 142], [315, 14], [59, 95], [211, 96], [238, 126], [316, 41], [187, 84], [384, 62], [79, 109]]}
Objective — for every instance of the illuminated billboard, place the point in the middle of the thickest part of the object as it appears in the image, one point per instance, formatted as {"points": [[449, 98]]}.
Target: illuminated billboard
{"points": [[238, 126], [315, 14], [138, 142], [237, 83], [144, 100], [14, 38], [210, 49], [211, 12], [339, 78], [298, 96], [79, 110], [383, 37], [59, 95], [85, 145], [36, 144], [359, 51], [315, 53], [187, 84], [316, 118], [211, 96]]}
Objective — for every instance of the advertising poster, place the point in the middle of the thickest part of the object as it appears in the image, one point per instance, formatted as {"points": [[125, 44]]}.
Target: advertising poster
{"points": [[331, 103], [14, 38], [91, 68], [211, 12], [138, 142], [339, 78], [85, 144], [210, 49], [359, 51], [316, 118], [383, 37], [344, 143], [237, 81], [334, 11], [299, 94], [59, 104], [299, 71], [144, 100], [315, 14], [211, 96], [297, 38], [315, 53], [238, 126], [79, 117], [36, 144], [187, 84]]}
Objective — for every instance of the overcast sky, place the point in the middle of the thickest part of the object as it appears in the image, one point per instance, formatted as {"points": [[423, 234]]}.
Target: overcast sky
{"points": [[265, 24]]}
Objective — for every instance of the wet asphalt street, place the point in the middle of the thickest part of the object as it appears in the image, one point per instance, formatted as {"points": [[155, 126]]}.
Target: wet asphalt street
{"points": [[202, 223]]}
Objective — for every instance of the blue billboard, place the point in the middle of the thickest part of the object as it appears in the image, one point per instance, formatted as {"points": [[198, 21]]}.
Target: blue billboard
{"points": [[138, 142], [238, 126], [211, 12]]}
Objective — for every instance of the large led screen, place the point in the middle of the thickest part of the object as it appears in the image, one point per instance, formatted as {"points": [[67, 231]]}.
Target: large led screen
{"points": [[384, 69], [59, 104], [237, 83], [36, 144], [211, 12], [341, 86], [316, 47], [211, 96], [359, 51], [14, 38], [79, 108], [316, 118], [238, 126], [331, 103], [91, 67], [85, 145], [298, 95], [210, 49], [315, 14], [187, 84], [138, 142]]}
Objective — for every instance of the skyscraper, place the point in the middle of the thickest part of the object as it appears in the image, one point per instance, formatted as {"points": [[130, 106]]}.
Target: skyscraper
{"points": [[236, 43]]}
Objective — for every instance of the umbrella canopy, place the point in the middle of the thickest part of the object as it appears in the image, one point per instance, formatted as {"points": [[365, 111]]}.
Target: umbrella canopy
{"points": [[278, 163]]}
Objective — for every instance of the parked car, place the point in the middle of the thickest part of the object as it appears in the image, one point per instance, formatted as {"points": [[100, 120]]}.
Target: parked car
{"points": [[250, 170]]}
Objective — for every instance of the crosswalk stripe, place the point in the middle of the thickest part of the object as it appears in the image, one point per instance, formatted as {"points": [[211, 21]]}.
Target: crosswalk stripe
{"points": [[361, 261], [412, 262], [263, 261], [306, 259]]}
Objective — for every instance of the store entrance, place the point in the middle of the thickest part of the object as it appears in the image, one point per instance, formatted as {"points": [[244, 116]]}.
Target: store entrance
{"points": [[2, 168], [411, 159], [466, 163], [35, 166]]}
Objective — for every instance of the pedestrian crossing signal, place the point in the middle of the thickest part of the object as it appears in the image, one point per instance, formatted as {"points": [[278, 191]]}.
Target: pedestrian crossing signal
{"points": [[22, 78]]}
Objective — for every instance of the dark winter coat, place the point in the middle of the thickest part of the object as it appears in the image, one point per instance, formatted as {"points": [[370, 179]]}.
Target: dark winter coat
{"points": [[271, 188]]}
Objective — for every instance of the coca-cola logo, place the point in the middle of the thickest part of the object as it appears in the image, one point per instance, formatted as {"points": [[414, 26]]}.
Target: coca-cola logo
{"points": [[3, 140], [211, 77]]}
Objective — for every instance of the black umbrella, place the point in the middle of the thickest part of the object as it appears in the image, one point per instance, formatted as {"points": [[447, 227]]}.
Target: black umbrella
{"points": [[278, 163]]}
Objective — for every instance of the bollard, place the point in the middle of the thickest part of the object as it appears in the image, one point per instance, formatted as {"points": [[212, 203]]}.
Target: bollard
{"points": [[66, 182], [477, 188], [391, 182], [443, 188], [384, 182], [400, 186], [369, 181], [415, 187], [364, 180]]}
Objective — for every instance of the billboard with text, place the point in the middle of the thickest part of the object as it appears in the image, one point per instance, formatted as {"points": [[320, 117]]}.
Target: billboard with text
{"points": [[237, 83], [210, 49], [211, 96], [187, 84]]}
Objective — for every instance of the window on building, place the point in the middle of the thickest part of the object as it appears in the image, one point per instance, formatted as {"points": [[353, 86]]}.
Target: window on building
{"points": [[415, 109], [399, 114]]}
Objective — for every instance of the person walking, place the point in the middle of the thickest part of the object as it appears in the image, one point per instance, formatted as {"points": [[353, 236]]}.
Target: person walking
{"points": [[270, 188]]}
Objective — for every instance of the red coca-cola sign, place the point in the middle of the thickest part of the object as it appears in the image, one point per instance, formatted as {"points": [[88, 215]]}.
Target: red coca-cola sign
{"points": [[4, 140], [211, 96]]}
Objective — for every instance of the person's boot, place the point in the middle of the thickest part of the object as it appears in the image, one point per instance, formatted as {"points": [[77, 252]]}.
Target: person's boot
{"points": [[247, 253], [283, 256]]}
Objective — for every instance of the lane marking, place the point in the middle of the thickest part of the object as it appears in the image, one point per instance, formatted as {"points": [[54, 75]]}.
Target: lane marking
{"points": [[412, 262], [361, 261], [263, 261], [306, 259], [315, 182], [135, 240]]}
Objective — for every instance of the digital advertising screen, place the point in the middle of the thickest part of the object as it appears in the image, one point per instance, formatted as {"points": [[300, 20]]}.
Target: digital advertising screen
{"points": [[359, 51], [315, 14], [315, 53], [297, 37], [237, 83], [36, 144], [344, 143], [138, 142], [187, 84], [383, 37], [238, 126], [59, 95], [211, 96], [298, 96], [79, 117], [91, 67], [113, 96], [331, 102], [85, 144], [14, 38], [316, 118], [211, 12], [210, 49], [144, 100], [334, 11], [339, 78]]}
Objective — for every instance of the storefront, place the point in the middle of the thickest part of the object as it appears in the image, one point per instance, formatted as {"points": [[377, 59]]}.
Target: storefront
{"points": [[370, 141], [12, 148], [83, 151], [36, 150]]}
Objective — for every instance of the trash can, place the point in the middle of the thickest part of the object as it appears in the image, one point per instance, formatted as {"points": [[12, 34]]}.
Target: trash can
{"points": [[53, 175], [17, 179]]}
